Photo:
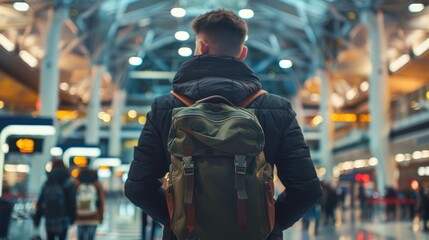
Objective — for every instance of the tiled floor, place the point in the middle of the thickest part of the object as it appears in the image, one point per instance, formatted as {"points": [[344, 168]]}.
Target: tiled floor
{"points": [[123, 222]]}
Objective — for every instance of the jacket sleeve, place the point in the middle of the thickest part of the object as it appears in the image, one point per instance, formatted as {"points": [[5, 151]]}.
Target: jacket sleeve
{"points": [[143, 187], [296, 171]]}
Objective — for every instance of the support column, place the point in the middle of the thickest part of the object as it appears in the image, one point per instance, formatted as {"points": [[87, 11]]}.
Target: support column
{"points": [[326, 127], [115, 140], [118, 104], [48, 93], [92, 134], [379, 100], [49, 77]]}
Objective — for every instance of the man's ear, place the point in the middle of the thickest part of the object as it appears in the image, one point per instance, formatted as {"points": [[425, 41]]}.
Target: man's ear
{"points": [[243, 53], [204, 47]]}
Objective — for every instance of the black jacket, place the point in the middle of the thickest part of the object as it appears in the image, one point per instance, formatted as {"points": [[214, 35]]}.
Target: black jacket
{"points": [[203, 76]]}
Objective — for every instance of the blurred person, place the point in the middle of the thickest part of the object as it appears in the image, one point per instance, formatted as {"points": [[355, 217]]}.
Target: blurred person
{"points": [[390, 199], [153, 227], [363, 201], [218, 69], [342, 197], [57, 202], [313, 214], [6, 208], [330, 203], [412, 203], [424, 207], [402, 199], [90, 204]]}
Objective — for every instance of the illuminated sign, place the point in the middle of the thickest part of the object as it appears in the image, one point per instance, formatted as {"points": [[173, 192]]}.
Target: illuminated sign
{"points": [[80, 151], [350, 117], [343, 117], [25, 145], [79, 161], [363, 177]]}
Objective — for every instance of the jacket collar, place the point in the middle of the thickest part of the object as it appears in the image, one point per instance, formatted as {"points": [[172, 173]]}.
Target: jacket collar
{"points": [[205, 75]]}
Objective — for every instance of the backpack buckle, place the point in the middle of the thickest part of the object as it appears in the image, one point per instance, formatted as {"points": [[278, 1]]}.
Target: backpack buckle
{"points": [[188, 165], [240, 164]]}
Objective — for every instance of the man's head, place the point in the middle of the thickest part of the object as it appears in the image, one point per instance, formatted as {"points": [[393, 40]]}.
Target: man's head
{"points": [[220, 32]]}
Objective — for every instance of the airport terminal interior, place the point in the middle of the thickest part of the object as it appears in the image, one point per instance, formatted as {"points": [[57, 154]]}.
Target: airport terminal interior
{"points": [[78, 77]]}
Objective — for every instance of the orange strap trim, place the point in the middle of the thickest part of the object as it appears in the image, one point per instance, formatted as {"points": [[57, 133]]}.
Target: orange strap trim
{"points": [[190, 216], [252, 98], [241, 207], [185, 100]]}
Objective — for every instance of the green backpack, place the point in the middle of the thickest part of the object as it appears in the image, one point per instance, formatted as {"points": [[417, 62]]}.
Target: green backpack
{"points": [[219, 185]]}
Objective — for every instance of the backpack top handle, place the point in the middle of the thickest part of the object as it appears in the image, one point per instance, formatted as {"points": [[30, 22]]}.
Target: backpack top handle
{"points": [[248, 100], [215, 97]]}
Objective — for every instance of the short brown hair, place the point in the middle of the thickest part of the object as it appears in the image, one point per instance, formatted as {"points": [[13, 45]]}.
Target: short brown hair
{"points": [[224, 28]]}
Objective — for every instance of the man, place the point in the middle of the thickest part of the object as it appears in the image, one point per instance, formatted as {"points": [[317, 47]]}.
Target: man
{"points": [[217, 69]]}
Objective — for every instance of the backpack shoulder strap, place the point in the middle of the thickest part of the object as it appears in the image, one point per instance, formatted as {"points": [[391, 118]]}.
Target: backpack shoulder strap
{"points": [[185, 100], [248, 100]]}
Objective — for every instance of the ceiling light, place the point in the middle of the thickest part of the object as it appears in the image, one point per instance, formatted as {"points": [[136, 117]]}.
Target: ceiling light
{"points": [[1, 104], [28, 58], [364, 86], [416, 7], [185, 51], [21, 6], [101, 114], [421, 171], [399, 63], [181, 35], [399, 157], [135, 61], [73, 90], [373, 161], [246, 13], [285, 63], [106, 118], [178, 12], [6, 43], [421, 48], [352, 93], [64, 86], [407, 156], [337, 100], [321, 171], [425, 154], [142, 120], [417, 155], [317, 120], [132, 113]]}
